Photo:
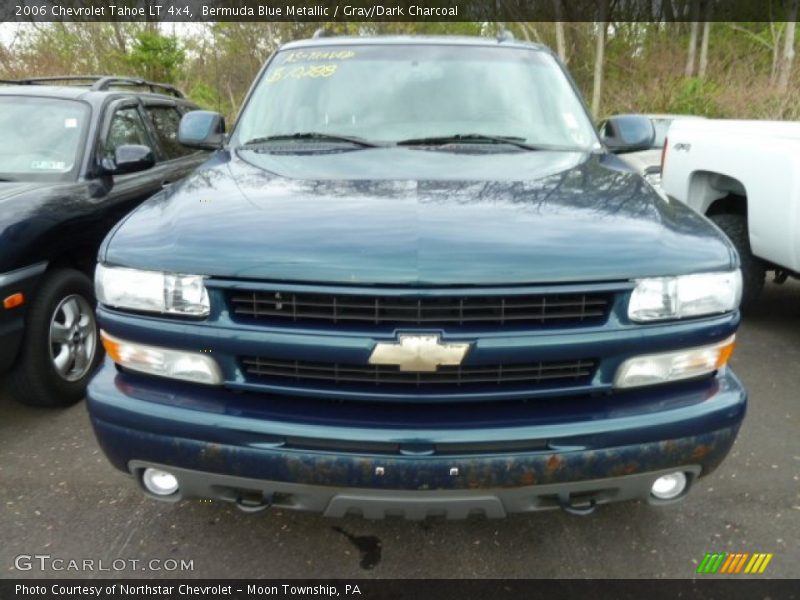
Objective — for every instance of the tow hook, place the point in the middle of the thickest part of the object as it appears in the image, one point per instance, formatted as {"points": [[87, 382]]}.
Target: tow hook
{"points": [[252, 505], [582, 510]]}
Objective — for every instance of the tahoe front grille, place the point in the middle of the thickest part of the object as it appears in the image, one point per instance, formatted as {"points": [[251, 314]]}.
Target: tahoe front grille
{"points": [[541, 309], [572, 372]]}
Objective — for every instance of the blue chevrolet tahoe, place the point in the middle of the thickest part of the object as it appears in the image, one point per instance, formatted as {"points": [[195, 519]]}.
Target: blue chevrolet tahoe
{"points": [[412, 281]]}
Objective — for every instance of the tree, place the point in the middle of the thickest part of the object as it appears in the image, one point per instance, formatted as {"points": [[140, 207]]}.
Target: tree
{"points": [[785, 70], [529, 31], [622, 62], [701, 72], [776, 35], [560, 43], [156, 56], [599, 57], [690, 55]]}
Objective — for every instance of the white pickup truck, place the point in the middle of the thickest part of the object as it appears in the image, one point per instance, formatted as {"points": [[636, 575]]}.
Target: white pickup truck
{"points": [[744, 176]]}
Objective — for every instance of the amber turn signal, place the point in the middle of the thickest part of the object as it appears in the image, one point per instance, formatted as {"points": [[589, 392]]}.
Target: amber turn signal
{"points": [[725, 353], [676, 365], [111, 346], [14, 300], [186, 365]]}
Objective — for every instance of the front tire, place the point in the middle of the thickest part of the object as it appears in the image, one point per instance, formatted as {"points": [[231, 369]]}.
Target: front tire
{"points": [[753, 269], [61, 347]]}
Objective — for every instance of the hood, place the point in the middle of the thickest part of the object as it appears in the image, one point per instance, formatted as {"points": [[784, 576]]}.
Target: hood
{"points": [[9, 189], [416, 216]]}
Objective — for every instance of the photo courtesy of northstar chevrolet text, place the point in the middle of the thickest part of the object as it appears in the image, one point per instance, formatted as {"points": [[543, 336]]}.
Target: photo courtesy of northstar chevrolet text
{"points": [[381, 287]]}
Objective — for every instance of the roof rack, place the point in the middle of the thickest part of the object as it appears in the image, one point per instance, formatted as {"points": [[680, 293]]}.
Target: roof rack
{"points": [[101, 83]]}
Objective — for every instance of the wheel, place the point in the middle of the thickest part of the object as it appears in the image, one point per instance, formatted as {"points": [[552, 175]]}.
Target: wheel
{"points": [[61, 347], [754, 271]]}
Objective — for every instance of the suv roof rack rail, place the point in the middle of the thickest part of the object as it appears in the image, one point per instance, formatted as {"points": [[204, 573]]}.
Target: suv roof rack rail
{"points": [[101, 83], [106, 82]]}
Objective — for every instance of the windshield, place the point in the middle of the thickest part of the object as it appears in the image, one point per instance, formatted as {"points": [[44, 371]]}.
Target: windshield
{"points": [[392, 93], [40, 138]]}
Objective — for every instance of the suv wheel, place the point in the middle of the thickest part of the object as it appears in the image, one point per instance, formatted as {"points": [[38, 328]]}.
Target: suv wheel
{"points": [[754, 271], [61, 347]]}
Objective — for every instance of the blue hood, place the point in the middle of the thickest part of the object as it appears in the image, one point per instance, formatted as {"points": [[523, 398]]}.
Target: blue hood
{"points": [[409, 216]]}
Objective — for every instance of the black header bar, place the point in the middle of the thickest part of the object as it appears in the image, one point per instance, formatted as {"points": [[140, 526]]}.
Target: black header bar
{"points": [[706, 588], [385, 11]]}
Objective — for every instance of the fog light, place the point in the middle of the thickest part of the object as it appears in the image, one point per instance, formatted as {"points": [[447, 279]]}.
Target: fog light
{"points": [[669, 486], [159, 482]]}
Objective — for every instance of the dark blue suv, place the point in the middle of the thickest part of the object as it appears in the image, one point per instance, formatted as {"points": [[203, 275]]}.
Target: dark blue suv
{"points": [[412, 281]]}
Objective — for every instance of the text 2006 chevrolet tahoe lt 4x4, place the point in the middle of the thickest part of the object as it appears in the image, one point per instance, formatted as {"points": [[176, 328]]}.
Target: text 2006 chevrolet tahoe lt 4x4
{"points": [[413, 282]]}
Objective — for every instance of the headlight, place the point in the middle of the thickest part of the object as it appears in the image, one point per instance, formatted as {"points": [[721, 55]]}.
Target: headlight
{"points": [[650, 369], [151, 291], [164, 362], [687, 296]]}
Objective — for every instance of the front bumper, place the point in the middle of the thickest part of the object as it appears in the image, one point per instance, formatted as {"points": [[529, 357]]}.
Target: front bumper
{"points": [[236, 447], [579, 497]]}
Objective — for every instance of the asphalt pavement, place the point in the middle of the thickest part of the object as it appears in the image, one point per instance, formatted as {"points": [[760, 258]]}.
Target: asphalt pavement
{"points": [[60, 498]]}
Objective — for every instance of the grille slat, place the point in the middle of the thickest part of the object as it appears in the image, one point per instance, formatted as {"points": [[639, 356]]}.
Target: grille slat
{"points": [[504, 304], [387, 310], [572, 372], [423, 320]]}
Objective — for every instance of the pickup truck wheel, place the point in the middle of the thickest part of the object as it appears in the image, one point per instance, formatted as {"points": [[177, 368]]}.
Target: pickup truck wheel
{"points": [[753, 269], [61, 347]]}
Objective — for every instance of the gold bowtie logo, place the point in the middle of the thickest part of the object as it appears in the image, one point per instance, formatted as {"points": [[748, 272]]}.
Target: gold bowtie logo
{"points": [[422, 353]]}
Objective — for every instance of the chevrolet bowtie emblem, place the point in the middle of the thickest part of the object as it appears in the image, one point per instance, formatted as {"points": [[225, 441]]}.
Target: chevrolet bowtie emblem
{"points": [[422, 353]]}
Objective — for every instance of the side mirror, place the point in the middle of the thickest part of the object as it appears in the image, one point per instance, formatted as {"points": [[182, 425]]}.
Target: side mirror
{"points": [[129, 158], [628, 133], [202, 129]]}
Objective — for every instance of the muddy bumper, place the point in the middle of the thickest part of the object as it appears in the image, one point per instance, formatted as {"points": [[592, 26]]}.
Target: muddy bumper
{"points": [[221, 453]]}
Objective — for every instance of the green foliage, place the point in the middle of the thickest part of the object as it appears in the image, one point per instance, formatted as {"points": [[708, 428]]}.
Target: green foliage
{"points": [[204, 95], [643, 72], [156, 57], [695, 96]]}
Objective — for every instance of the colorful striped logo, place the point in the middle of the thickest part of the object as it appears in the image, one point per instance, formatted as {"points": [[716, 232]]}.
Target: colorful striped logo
{"points": [[733, 563]]}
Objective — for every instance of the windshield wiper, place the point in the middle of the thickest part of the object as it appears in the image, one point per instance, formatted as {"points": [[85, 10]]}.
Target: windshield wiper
{"points": [[472, 138], [313, 135]]}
